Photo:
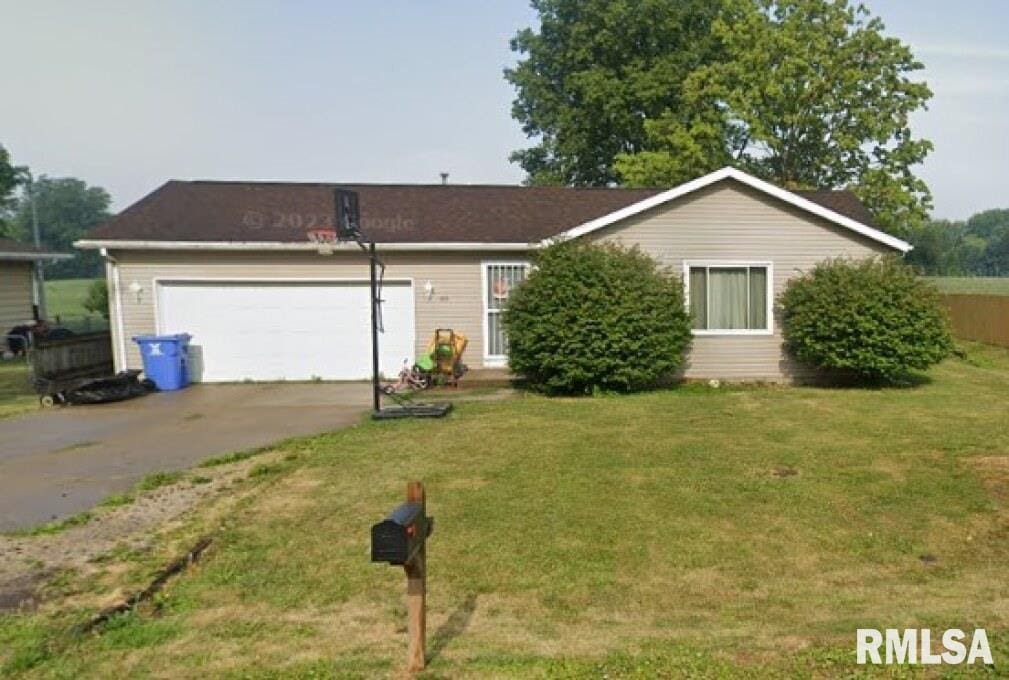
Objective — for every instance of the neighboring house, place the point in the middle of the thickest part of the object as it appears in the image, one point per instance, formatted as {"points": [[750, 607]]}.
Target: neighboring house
{"points": [[18, 297], [230, 263]]}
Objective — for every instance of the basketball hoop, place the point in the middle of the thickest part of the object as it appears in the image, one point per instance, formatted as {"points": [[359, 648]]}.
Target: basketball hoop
{"points": [[324, 239]]}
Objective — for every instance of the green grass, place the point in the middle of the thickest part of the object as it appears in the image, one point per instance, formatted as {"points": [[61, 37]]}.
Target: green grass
{"points": [[150, 482], [65, 301], [80, 519], [233, 457], [117, 500], [16, 394], [156, 480], [65, 298], [972, 285], [642, 536]]}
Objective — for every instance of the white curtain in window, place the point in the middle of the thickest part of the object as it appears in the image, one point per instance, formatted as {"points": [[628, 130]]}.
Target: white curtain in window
{"points": [[728, 298], [758, 297], [699, 297]]}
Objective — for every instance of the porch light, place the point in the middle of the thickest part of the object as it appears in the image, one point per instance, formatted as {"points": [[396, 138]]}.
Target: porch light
{"points": [[137, 289]]}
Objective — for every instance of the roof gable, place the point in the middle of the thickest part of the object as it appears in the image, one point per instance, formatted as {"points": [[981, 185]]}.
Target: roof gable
{"points": [[815, 203]]}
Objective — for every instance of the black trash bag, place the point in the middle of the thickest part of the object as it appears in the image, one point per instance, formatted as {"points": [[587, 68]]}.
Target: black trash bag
{"points": [[58, 333], [119, 387]]}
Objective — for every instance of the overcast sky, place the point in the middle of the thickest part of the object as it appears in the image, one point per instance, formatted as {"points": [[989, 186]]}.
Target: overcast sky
{"points": [[128, 94]]}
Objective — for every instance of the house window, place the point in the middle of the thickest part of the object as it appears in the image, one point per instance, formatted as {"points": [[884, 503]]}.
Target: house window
{"points": [[499, 280], [729, 298]]}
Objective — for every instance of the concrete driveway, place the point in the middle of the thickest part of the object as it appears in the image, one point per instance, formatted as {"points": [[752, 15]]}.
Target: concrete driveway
{"points": [[56, 463]]}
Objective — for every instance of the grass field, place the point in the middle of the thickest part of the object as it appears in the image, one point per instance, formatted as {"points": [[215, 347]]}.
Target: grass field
{"points": [[733, 532], [972, 285], [65, 299], [16, 395]]}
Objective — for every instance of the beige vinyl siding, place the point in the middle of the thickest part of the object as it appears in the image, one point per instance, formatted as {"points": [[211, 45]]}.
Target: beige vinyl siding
{"points": [[729, 221], [15, 294], [456, 301]]}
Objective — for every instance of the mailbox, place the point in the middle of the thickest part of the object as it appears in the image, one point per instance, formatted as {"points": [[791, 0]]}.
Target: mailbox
{"points": [[398, 538]]}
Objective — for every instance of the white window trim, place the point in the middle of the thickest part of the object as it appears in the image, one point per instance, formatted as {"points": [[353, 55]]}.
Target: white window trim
{"points": [[688, 264], [493, 360]]}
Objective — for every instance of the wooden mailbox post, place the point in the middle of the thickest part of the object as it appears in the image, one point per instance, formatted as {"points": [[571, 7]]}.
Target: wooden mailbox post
{"points": [[401, 539]]}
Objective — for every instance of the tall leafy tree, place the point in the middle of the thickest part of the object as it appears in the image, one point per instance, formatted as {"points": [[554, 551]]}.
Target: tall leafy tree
{"points": [[67, 209], [10, 177], [989, 223], [595, 72], [808, 94], [997, 255], [979, 246]]}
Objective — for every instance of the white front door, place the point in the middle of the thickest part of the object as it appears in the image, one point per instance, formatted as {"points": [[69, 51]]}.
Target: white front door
{"points": [[286, 330]]}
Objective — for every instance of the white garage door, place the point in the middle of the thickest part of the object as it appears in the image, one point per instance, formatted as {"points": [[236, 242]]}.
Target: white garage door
{"points": [[286, 330]]}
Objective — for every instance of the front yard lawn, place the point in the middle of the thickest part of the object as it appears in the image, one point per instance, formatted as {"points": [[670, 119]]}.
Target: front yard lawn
{"points": [[741, 531], [65, 298], [16, 395], [972, 285]]}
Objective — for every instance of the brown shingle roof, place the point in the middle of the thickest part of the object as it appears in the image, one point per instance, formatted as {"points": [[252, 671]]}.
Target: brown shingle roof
{"points": [[397, 213], [16, 250], [844, 202], [9, 245]]}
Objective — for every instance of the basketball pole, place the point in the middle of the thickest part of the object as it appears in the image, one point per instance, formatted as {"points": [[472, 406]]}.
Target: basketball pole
{"points": [[348, 228], [376, 393]]}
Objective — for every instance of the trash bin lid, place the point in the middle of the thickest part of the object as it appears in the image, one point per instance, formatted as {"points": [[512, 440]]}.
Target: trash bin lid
{"points": [[175, 337]]}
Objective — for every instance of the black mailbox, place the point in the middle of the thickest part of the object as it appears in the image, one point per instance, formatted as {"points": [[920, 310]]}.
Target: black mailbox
{"points": [[399, 537]]}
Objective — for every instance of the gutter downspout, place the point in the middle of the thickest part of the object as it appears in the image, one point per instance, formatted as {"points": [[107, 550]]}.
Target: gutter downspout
{"points": [[116, 310]]}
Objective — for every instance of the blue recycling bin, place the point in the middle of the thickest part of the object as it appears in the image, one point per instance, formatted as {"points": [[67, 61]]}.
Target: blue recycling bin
{"points": [[166, 359]]}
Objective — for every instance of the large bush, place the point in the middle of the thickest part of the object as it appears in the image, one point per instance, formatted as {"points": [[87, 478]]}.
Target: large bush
{"points": [[596, 317], [873, 319]]}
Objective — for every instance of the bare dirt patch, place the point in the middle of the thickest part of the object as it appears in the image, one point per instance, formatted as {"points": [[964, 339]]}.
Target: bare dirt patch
{"points": [[28, 562]]}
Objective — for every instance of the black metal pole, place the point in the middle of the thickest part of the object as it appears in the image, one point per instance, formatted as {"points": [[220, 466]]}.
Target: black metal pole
{"points": [[375, 302]]}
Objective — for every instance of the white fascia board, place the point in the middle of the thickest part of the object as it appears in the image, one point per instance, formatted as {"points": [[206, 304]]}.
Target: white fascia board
{"points": [[87, 244], [748, 180]]}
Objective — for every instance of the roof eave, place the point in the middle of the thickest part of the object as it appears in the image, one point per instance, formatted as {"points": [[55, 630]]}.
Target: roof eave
{"points": [[283, 246]]}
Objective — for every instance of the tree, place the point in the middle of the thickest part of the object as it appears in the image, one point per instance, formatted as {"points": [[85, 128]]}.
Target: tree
{"points": [[806, 94], [979, 246], [595, 73], [67, 209], [989, 224], [10, 178], [939, 249], [997, 255]]}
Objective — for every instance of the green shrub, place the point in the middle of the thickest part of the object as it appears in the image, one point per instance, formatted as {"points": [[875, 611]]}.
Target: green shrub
{"points": [[872, 318], [596, 317], [97, 300]]}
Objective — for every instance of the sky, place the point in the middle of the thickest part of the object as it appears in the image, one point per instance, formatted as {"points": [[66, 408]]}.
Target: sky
{"points": [[128, 94]]}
